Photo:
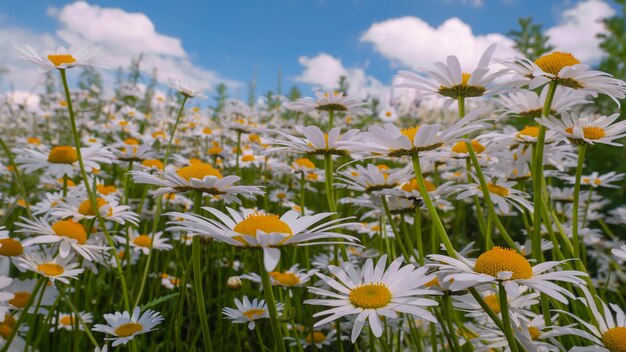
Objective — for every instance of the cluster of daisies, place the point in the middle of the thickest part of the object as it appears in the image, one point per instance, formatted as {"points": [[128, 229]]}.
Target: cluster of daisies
{"points": [[317, 223]]}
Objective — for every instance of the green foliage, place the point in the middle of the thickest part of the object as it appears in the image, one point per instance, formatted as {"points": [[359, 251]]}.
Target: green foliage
{"points": [[530, 39]]}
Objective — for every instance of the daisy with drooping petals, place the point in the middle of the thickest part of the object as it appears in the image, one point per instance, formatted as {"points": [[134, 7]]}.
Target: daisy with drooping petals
{"points": [[450, 82], [249, 312], [187, 89], [373, 293], [508, 267], [52, 267], [62, 58], [259, 230], [124, 326], [70, 235], [586, 128], [596, 180], [63, 160], [567, 71], [316, 141], [200, 177], [391, 141], [330, 101]]}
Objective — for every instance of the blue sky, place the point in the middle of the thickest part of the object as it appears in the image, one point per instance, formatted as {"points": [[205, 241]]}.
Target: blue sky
{"points": [[233, 39]]}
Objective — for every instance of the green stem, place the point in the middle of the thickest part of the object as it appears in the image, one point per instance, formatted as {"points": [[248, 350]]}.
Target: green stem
{"points": [[169, 143], [271, 305], [20, 320], [538, 177], [328, 172], [579, 171], [18, 177], [506, 319], [90, 193], [77, 315], [197, 278]]}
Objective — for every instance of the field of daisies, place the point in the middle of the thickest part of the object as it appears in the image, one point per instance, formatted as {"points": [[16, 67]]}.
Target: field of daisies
{"points": [[140, 221]]}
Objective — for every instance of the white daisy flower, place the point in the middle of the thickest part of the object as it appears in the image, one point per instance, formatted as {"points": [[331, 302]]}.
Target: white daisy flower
{"points": [[186, 89], [62, 58], [372, 178], [63, 160], [52, 267], [568, 72], [23, 289], [586, 128], [320, 339], [70, 235], [292, 277], [315, 141], [199, 176], [595, 180], [9, 247], [391, 141], [5, 296], [109, 210], [508, 267], [527, 103], [330, 100], [249, 312], [620, 252], [68, 321], [144, 243], [124, 326], [269, 232], [503, 193], [373, 293], [450, 82]]}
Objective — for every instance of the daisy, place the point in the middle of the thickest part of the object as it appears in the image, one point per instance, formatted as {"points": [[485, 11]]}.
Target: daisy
{"points": [[68, 321], [62, 58], [63, 160], [269, 232], [70, 235], [374, 293], [318, 338], [124, 326], [186, 89], [315, 141], [567, 71], [595, 180], [249, 312], [372, 178], [109, 210], [292, 277], [503, 193], [5, 296], [144, 243], [450, 82], [9, 247], [527, 103], [586, 128], [509, 268], [54, 268], [391, 141], [330, 101], [200, 177], [23, 289]]}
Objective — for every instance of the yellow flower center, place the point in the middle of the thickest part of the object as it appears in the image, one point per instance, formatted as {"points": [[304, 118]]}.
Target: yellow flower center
{"points": [[153, 163], [554, 62], [461, 147], [371, 296], [251, 313], [499, 190], [131, 141], [106, 189], [432, 283], [248, 158], [5, 331], [493, 303], [198, 171], [315, 337], [533, 332], [50, 269], [60, 59], [67, 320], [304, 162], [33, 140], [143, 241], [285, 279], [128, 329], [10, 247], [590, 132], [531, 131], [267, 223], [86, 209], [207, 130], [465, 78], [20, 299], [63, 155], [500, 259], [70, 229], [159, 134], [412, 186], [615, 339], [410, 133]]}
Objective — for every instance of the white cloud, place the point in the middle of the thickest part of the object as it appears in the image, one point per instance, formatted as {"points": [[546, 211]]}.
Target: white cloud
{"points": [[577, 30], [410, 41], [120, 35], [324, 71]]}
